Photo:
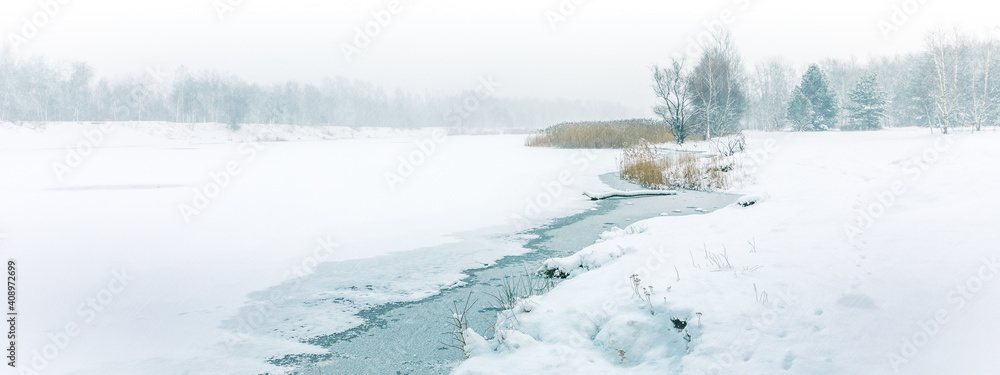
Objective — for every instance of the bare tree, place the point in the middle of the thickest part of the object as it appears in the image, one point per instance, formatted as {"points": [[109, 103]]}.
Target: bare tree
{"points": [[770, 90], [982, 105], [675, 98], [946, 50], [718, 83]]}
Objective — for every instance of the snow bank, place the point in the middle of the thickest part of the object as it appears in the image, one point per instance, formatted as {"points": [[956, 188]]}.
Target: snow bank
{"points": [[862, 253]]}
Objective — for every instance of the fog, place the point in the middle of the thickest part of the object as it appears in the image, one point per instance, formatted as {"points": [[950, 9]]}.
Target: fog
{"points": [[593, 50], [222, 187]]}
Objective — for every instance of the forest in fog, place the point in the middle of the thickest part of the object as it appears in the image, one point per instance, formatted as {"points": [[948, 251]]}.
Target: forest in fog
{"points": [[34, 89], [949, 84]]}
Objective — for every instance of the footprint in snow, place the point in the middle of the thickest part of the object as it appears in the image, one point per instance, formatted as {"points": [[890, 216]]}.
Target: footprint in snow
{"points": [[789, 360]]}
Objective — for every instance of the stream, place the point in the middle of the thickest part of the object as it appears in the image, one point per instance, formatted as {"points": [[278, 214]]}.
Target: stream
{"points": [[409, 337]]}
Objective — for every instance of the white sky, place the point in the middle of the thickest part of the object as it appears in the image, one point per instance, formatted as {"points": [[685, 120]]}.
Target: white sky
{"points": [[602, 51]]}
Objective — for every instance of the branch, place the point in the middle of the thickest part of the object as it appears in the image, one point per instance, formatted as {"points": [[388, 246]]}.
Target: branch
{"points": [[627, 193]]}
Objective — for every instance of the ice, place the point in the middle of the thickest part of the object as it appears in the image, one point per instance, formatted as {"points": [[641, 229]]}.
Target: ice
{"points": [[294, 211]]}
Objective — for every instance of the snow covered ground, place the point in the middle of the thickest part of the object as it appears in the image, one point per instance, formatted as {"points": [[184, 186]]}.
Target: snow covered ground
{"points": [[139, 243], [871, 253]]}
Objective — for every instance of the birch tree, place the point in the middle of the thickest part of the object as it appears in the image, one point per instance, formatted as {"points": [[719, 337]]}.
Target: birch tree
{"points": [[983, 95], [945, 52], [718, 85]]}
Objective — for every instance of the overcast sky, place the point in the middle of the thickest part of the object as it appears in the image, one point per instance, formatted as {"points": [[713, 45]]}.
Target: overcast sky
{"points": [[598, 49]]}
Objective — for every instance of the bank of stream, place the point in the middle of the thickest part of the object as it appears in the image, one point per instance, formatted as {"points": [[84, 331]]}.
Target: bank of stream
{"points": [[409, 338]]}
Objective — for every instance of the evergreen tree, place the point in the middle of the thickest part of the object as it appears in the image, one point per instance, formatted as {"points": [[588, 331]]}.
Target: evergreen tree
{"points": [[816, 89], [869, 102], [800, 111]]}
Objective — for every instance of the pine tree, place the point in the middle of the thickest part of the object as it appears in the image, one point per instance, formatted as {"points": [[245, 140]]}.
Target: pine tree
{"points": [[816, 89], [869, 102], [800, 111]]}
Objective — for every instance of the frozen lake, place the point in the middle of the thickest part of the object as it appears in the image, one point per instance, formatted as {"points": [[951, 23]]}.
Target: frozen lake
{"points": [[121, 213]]}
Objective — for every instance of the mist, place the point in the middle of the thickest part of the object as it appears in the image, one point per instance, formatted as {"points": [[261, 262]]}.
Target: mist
{"points": [[462, 187], [571, 49]]}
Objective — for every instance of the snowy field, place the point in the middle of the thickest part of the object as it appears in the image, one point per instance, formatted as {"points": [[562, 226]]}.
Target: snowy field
{"points": [[139, 243], [862, 253]]}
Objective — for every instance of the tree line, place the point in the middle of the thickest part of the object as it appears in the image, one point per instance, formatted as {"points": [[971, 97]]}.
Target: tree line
{"points": [[947, 85], [33, 89]]}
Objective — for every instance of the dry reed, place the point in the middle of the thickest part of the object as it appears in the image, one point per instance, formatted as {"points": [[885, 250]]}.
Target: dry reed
{"points": [[602, 134], [643, 165]]}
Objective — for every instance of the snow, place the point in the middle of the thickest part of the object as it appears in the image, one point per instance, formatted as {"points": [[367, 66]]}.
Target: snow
{"points": [[149, 247], [67, 134], [867, 252]]}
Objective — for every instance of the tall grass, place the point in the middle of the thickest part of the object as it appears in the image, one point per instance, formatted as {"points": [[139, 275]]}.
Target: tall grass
{"points": [[695, 172], [643, 165], [459, 324], [513, 289], [602, 134]]}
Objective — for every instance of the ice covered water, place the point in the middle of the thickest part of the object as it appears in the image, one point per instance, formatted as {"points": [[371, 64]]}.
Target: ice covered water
{"points": [[389, 314]]}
